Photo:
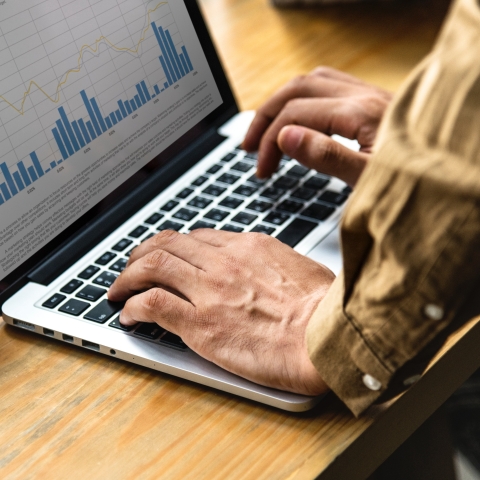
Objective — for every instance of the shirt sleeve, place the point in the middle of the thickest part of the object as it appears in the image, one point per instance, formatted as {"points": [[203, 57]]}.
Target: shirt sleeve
{"points": [[411, 231]]}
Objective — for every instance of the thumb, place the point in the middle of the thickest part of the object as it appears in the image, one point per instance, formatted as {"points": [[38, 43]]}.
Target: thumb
{"points": [[320, 152]]}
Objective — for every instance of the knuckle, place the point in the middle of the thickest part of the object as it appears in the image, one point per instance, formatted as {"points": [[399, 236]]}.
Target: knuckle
{"points": [[156, 260], [322, 71], [297, 84], [165, 237], [154, 299]]}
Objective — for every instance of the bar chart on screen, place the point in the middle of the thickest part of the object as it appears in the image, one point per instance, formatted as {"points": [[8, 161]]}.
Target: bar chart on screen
{"points": [[70, 74]]}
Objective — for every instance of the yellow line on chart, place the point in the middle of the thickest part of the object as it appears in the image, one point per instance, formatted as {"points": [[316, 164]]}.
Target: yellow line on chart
{"points": [[94, 49]]}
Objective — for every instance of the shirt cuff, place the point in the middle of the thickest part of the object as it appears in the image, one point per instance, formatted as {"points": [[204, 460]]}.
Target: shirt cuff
{"points": [[342, 357]]}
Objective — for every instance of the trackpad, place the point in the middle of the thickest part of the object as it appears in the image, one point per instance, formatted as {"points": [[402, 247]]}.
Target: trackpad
{"points": [[328, 252]]}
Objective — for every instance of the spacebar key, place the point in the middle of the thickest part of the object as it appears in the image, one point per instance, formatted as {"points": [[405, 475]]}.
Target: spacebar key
{"points": [[296, 231]]}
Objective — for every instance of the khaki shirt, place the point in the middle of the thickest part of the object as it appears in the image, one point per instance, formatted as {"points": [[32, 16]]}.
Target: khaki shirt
{"points": [[411, 231]]}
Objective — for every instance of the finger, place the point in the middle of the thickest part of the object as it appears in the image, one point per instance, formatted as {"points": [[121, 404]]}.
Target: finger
{"points": [[158, 306], [319, 151], [307, 86], [157, 268], [328, 115], [185, 247], [215, 238]]}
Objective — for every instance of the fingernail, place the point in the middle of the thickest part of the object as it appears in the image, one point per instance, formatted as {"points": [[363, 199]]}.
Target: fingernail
{"points": [[290, 138]]}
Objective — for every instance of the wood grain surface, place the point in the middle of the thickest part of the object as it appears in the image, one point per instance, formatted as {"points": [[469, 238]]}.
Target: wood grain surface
{"points": [[70, 413]]}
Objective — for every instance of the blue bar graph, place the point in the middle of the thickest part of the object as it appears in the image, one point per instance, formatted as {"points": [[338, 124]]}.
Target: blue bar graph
{"points": [[5, 191], [84, 130], [18, 181], [140, 94], [79, 135], [24, 174], [32, 173], [73, 135], [122, 108]]}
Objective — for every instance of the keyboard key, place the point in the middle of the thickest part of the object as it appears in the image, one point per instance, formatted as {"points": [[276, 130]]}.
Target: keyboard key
{"points": [[169, 206], [298, 171], [138, 232], [186, 192], [317, 182], [347, 190], [130, 251], [119, 326], [153, 219], [149, 330], [169, 225], [229, 156], [245, 190], [290, 206], [286, 158], [91, 293], [263, 229], [200, 202], [103, 312], [296, 231], [74, 307], [173, 340], [71, 286], [241, 167], [150, 235], [119, 265], [202, 224], [257, 181], [232, 228], [107, 257], [277, 218], [231, 202], [303, 193], [251, 155], [244, 218], [228, 178], [214, 169], [286, 182], [105, 279], [199, 181], [122, 245], [214, 190], [89, 272], [186, 214], [259, 206], [54, 301], [333, 197], [273, 193], [217, 214], [318, 211]]}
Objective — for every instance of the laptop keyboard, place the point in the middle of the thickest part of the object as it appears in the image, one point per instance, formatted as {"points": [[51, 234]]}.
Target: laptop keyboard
{"points": [[227, 197]]}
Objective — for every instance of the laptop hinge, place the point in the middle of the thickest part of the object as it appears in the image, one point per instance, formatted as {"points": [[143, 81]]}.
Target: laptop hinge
{"points": [[91, 234]]}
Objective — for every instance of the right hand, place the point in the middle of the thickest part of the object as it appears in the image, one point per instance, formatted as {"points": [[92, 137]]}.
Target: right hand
{"points": [[299, 119]]}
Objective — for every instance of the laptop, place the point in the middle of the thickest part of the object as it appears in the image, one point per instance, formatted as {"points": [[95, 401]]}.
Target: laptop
{"points": [[116, 122]]}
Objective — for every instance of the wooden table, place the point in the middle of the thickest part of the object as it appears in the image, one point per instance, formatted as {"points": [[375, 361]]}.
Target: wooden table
{"points": [[70, 413]]}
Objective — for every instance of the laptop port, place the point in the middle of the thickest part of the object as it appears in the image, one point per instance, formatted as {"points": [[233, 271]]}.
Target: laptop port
{"points": [[67, 338], [90, 345], [48, 332], [22, 324]]}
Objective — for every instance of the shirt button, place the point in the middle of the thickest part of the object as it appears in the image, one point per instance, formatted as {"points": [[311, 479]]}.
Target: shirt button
{"points": [[433, 312], [371, 383]]}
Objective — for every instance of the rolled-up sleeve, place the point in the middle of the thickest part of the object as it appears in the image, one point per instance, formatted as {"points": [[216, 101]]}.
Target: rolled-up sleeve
{"points": [[411, 231]]}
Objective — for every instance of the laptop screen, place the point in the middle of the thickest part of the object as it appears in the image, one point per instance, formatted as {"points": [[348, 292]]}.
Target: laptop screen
{"points": [[90, 92]]}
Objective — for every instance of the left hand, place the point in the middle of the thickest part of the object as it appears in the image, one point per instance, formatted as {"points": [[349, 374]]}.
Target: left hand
{"points": [[242, 301]]}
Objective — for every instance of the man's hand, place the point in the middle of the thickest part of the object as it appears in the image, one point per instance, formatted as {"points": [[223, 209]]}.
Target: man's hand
{"points": [[242, 301], [299, 119]]}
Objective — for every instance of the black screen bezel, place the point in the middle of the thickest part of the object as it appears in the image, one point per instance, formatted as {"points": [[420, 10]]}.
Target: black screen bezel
{"points": [[15, 280]]}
